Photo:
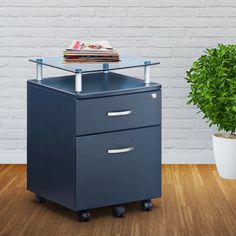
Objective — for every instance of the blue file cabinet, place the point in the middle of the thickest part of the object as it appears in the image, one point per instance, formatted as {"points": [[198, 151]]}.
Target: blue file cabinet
{"points": [[100, 146]]}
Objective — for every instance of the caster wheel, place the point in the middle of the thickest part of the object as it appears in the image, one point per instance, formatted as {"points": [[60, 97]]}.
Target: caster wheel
{"points": [[84, 216], [146, 205], [39, 199], [118, 211]]}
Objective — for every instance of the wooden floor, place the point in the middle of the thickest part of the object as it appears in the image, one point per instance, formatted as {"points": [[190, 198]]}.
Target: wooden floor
{"points": [[195, 201]]}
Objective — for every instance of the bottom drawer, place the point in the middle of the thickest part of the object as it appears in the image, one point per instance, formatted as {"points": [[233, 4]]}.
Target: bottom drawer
{"points": [[118, 167]]}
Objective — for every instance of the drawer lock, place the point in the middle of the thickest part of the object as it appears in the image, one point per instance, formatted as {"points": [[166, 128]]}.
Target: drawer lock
{"points": [[154, 95]]}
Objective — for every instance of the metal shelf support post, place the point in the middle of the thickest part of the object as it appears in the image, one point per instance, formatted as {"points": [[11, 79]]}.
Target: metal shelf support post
{"points": [[39, 69], [78, 80], [147, 72], [106, 67]]}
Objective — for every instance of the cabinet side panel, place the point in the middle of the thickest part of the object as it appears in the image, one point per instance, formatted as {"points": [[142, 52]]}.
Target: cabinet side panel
{"points": [[51, 145]]}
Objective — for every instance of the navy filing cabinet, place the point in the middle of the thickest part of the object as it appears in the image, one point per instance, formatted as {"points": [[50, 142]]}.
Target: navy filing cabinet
{"points": [[94, 138]]}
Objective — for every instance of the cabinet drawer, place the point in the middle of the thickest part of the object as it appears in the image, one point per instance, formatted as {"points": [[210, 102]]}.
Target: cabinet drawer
{"points": [[118, 167], [118, 112]]}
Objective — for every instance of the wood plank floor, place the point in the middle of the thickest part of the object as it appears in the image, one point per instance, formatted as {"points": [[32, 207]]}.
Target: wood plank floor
{"points": [[195, 201]]}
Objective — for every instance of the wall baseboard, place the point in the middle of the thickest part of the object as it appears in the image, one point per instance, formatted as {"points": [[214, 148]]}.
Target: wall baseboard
{"points": [[188, 161], [13, 157]]}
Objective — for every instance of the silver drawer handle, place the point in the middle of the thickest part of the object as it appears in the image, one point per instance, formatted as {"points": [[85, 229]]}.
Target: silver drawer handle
{"points": [[119, 113], [121, 150]]}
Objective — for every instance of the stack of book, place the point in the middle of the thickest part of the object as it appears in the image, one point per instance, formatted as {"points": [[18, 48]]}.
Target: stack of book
{"points": [[100, 51]]}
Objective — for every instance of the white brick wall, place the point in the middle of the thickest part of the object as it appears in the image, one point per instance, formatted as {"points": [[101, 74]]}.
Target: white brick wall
{"points": [[172, 31]]}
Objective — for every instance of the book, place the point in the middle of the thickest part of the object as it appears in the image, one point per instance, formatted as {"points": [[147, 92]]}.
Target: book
{"points": [[100, 51]]}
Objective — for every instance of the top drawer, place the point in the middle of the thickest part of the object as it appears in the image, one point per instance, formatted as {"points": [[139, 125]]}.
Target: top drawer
{"points": [[118, 112]]}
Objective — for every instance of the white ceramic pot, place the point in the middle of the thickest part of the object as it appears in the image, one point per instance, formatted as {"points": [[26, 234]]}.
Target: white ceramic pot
{"points": [[225, 156]]}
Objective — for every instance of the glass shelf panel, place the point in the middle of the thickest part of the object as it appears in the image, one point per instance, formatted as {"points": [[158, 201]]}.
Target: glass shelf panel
{"points": [[125, 63]]}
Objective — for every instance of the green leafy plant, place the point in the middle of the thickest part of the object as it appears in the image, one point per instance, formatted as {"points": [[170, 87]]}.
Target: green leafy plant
{"points": [[212, 79]]}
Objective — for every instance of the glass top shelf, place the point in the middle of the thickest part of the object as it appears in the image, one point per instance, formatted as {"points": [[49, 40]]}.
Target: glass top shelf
{"points": [[124, 63]]}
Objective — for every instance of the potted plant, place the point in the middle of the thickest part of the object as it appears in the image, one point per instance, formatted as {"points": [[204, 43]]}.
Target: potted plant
{"points": [[212, 79]]}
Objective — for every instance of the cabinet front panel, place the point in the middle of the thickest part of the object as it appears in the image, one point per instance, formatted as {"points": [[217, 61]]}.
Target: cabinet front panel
{"points": [[118, 112], [118, 167]]}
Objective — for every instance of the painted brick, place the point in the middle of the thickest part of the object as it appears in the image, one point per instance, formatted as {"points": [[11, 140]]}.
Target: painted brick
{"points": [[190, 3], [24, 3], [93, 3], [158, 3], [39, 32], [160, 22], [216, 11], [144, 12], [165, 42], [7, 144], [128, 22], [172, 134], [62, 3], [14, 124], [119, 11], [95, 23], [178, 12], [130, 3], [221, 3], [192, 22], [46, 12]]}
